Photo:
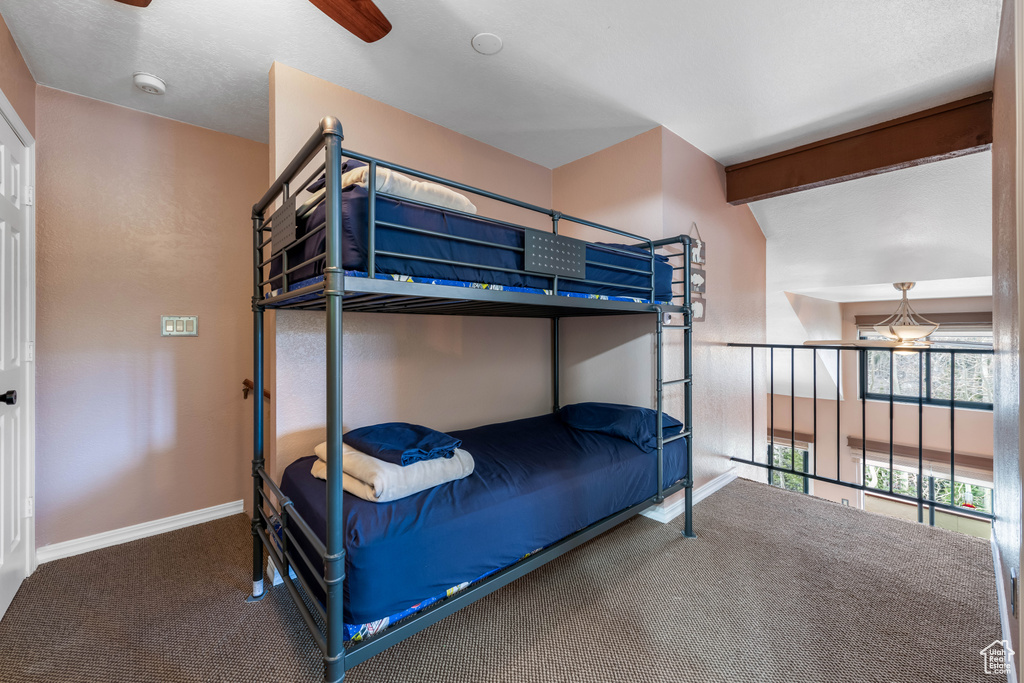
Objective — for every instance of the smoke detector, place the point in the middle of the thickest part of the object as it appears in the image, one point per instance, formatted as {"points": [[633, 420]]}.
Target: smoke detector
{"points": [[148, 83], [487, 43]]}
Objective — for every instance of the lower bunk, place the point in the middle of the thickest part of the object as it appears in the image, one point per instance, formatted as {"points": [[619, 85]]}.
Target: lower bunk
{"points": [[534, 483]]}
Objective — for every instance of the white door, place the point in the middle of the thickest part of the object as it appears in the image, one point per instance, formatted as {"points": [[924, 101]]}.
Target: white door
{"points": [[16, 323]]}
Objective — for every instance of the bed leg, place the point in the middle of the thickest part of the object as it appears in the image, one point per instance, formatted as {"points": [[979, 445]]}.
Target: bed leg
{"points": [[258, 591], [688, 526], [334, 669]]}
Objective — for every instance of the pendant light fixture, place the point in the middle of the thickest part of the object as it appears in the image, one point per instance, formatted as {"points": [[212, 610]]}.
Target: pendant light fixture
{"points": [[905, 325]]}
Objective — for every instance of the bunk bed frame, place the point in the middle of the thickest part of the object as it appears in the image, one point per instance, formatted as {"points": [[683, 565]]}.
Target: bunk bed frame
{"points": [[338, 292]]}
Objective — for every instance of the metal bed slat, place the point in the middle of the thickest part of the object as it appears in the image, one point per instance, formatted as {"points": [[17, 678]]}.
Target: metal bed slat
{"points": [[307, 531], [304, 612], [286, 556], [455, 238]]}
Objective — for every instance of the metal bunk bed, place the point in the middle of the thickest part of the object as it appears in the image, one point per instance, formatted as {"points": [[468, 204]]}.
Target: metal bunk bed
{"points": [[337, 292]]}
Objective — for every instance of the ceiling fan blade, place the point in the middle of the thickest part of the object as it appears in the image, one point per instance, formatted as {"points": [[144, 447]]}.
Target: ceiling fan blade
{"points": [[362, 18], [136, 3]]}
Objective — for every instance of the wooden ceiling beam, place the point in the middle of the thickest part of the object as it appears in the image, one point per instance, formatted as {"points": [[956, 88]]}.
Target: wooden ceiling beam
{"points": [[944, 132]]}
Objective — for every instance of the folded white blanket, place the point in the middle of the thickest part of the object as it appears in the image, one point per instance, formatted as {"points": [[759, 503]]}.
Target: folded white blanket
{"points": [[399, 185], [381, 482]]}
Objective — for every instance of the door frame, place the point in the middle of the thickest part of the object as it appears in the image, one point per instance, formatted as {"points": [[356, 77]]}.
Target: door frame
{"points": [[8, 113]]}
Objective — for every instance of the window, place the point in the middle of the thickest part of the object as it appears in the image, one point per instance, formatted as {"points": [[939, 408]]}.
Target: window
{"points": [[929, 373], [966, 494], [782, 456]]}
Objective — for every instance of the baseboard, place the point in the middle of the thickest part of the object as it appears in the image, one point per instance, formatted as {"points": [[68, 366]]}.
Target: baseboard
{"points": [[665, 514], [1004, 609], [56, 551]]}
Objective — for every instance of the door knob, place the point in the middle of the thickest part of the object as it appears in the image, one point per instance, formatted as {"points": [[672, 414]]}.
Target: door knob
{"points": [[11, 397]]}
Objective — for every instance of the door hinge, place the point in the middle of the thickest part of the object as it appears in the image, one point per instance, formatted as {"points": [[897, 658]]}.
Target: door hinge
{"points": [[30, 352], [30, 195], [30, 507], [1013, 591]]}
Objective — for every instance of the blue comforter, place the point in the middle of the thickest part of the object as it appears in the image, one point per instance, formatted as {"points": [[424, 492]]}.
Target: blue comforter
{"points": [[536, 481], [605, 267]]}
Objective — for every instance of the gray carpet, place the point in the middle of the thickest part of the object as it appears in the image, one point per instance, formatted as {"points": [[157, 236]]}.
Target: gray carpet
{"points": [[778, 587]]}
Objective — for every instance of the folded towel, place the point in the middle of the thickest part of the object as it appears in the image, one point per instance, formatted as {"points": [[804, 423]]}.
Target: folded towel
{"points": [[402, 443], [381, 482]]}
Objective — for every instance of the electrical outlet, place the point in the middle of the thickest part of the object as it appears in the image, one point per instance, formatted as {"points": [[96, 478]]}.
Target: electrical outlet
{"points": [[846, 502], [179, 325]]}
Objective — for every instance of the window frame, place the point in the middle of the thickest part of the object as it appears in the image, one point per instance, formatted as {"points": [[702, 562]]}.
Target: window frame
{"points": [[808, 450], [927, 398]]}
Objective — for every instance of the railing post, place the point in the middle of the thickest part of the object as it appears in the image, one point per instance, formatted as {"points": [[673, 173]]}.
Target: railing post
{"points": [[931, 498], [771, 427], [920, 436], [753, 410], [864, 418], [814, 419], [892, 397], [952, 427]]}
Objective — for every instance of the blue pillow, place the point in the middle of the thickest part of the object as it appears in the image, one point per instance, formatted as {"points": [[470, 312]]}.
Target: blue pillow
{"points": [[321, 182], [402, 443], [638, 425]]}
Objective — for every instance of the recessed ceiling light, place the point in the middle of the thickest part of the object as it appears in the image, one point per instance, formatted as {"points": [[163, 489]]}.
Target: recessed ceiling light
{"points": [[148, 83], [487, 43]]}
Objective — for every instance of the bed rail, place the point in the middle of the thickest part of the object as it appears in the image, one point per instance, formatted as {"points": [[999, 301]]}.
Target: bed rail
{"points": [[278, 231], [277, 527]]}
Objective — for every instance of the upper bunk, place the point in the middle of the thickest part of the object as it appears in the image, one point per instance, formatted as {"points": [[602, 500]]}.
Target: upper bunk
{"points": [[432, 254]]}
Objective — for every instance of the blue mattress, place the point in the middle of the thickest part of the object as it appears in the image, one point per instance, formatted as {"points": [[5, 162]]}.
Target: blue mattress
{"points": [[536, 481], [607, 259]]}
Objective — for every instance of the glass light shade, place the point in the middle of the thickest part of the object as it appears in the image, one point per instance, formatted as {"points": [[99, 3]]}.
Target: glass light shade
{"points": [[905, 325]]}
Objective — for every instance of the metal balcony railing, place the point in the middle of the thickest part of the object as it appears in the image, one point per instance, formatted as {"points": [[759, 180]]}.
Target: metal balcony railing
{"points": [[885, 376]]}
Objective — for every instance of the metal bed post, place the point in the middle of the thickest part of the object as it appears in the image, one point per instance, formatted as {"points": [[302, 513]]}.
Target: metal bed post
{"points": [[554, 364], [555, 215], [334, 285], [258, 592], [688, 388], [658, 418]]}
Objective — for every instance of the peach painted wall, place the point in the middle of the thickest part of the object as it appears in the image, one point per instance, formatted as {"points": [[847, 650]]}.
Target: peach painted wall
{"points": [[139, 216], [974, 428], [446, 372], [656, 185], [16, 82]]}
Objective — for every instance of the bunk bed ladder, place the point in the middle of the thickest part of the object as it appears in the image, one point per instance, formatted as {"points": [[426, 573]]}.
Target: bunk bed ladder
{"points": [[686, 380]]}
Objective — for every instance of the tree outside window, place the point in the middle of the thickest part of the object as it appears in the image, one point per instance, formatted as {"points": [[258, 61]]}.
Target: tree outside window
{"points": [[929, 375], [783, 456], [965, 495]]}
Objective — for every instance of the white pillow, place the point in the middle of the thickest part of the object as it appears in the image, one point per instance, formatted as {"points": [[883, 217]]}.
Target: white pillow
{"points": [[401, 185]]}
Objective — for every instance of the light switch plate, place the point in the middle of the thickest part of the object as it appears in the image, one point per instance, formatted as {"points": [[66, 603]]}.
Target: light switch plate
{"points": [[179, 325]]}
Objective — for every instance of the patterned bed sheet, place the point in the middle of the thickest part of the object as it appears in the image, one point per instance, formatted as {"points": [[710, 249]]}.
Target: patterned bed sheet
{"points": [[453, 283]]}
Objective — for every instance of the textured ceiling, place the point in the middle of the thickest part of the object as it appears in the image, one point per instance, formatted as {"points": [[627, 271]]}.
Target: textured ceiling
{"points": [[737, 79], [927, 223]]}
